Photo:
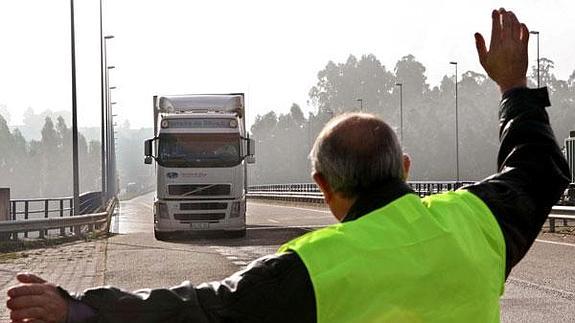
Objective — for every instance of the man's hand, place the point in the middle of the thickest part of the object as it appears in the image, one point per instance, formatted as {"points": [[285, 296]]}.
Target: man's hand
{"points": [[506, 61], [36, 300]]}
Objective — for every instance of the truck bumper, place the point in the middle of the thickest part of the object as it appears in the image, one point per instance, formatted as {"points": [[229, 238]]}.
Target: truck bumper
{"points": [[200, 215]]}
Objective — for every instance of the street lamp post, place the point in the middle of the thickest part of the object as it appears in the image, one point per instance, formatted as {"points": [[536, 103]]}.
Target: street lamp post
{"points": [[456, 128], [538, 67], [75, 166], [109, 166], [400, 85], [113, 166], [103, 120], [104, 112], [360, 104]]}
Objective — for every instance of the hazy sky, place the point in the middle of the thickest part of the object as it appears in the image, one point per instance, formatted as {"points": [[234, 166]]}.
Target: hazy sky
{"points": [[270, 50]]}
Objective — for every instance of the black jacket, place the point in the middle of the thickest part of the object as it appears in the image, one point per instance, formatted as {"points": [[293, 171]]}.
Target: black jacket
{"points": [[277, 288]]}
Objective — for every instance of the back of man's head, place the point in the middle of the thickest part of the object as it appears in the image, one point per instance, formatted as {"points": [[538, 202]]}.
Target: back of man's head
{"points": [[357, 152]]}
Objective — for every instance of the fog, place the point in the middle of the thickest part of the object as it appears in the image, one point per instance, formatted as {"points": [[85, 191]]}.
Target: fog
{"points": [[284, 140], [37, 161]]}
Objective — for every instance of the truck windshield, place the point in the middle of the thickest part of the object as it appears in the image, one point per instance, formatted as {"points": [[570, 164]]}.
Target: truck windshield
{"points": [[199, 150]]}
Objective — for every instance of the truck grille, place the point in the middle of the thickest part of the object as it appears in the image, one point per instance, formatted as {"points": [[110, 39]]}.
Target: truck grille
{"points": [[200, 189], [203, 206], [199, 216]]}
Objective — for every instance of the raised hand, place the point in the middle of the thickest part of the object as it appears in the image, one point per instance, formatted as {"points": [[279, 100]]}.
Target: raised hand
{"points": [[506, 60], [35, 300]]}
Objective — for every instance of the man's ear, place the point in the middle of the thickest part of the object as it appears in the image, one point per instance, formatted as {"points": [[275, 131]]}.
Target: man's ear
{"points": [[323, 186], [406, 166]]}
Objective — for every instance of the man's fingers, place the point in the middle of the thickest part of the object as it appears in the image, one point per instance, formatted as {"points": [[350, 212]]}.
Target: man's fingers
{"points": [[524, 35], [27, 278], [506, 23], [495, 29], [481, 50], [27, 313], [26, 301], [515, 26], [26, 290]]}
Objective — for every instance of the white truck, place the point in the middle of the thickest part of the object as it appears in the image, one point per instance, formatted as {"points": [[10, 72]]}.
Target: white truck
{"points": [[201, 148]]}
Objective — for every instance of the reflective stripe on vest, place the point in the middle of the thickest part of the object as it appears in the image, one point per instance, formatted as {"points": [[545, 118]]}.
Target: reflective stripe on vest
{"points": [[436, 259]]}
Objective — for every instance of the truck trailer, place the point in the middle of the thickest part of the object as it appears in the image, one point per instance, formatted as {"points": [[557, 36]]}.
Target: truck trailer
{"points": [[201, 150]]}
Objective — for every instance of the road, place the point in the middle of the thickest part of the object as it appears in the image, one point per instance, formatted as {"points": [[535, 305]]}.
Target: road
{"points": [[540, 289], [162, 263]]}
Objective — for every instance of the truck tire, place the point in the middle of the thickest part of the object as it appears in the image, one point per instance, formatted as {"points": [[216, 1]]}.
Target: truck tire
{"points": [[236, 234], [161, 236]]}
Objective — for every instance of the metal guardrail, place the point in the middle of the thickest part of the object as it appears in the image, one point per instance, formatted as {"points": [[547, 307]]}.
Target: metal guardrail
{"points": [[309, 192], [23, 209], [565, 213], [57, 206], [42, 225], [33, 209]]}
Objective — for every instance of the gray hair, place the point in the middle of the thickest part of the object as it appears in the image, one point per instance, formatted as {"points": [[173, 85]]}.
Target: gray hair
{"points": [[356, 152]]}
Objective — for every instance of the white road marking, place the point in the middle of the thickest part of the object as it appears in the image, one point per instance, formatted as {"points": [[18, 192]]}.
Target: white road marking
{"points": [[273, 221], [303, 227], [146, 205], [292, 207], [563, 293], [240, 263], [555, 242]]}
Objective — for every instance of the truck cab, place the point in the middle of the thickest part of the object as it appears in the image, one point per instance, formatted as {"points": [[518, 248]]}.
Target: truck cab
{"points": [[201, 152]]}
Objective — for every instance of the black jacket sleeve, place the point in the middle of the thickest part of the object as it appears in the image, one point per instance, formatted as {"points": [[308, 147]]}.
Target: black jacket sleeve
{"points": [[275, 288], [532, 171]]}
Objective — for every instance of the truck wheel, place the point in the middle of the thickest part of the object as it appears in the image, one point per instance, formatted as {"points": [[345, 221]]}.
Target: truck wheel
{"points": [[236, 234], [161, 236]]}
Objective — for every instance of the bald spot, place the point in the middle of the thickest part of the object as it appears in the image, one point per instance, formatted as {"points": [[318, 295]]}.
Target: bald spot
{"points": [[358, 135]]}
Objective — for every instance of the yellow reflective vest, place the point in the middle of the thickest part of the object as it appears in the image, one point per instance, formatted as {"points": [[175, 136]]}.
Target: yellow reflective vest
{"points": [[434, 259]]}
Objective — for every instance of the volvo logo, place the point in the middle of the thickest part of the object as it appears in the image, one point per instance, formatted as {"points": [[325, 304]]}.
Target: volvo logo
{"points": [[172, 175]]}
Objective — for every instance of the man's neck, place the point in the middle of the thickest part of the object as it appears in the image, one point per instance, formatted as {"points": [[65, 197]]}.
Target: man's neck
{"points": [[376, 198]]}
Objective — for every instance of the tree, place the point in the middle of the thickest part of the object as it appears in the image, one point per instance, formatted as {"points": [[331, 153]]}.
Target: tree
{"points": [[411, 73], [5, 113], [5, 148], [546, 76], [297, 115], [50, 165], [339, 86], [264, 125]]}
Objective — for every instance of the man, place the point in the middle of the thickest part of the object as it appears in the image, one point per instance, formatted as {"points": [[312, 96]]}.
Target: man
{"points": [[394, 257]]}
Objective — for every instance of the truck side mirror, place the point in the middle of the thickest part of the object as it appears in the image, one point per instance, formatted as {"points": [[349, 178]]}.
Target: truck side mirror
{"points": [[148, 151], [251, 147]]}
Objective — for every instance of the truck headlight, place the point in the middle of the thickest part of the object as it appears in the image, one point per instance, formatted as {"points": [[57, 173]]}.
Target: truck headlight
{"points": [[162, 210]]}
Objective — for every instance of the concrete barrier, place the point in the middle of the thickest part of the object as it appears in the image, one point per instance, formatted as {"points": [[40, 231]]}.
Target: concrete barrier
{"points": [[4, 204], [4, 209]]}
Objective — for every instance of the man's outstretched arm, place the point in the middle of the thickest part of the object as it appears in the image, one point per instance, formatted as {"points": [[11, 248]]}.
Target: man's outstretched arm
{"points": [[532, 172], [276, 288]]}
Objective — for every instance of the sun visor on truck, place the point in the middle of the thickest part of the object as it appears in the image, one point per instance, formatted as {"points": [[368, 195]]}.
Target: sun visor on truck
{"points": [[201, 104]]}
